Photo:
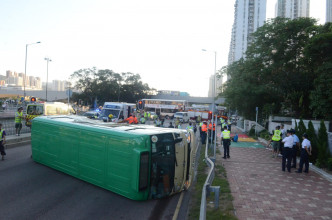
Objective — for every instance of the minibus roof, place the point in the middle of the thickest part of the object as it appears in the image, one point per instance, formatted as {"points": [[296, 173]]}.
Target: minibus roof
{"points": [[121, 127]]}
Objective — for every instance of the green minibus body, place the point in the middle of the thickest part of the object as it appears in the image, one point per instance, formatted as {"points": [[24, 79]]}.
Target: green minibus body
{"points": [[138, 162]]}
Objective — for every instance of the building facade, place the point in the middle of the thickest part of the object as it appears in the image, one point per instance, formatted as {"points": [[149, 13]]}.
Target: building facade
{"points": [[292, 8], [328, 10], [248, 16]]}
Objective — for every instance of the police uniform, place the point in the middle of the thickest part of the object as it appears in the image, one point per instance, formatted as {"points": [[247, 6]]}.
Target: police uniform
{"points": [[287, 154], [305, 152], [2, 140], [294, 149], [226, 141]]}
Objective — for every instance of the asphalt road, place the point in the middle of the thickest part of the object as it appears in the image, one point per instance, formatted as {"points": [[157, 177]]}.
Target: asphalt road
{"points": [[29, 190]]}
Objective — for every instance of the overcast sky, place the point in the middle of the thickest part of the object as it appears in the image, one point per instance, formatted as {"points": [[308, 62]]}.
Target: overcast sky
{"points": [[160, 40]]}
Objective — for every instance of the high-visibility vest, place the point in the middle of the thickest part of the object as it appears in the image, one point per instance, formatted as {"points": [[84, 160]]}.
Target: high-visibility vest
{"points": [[189, 128], [145, 115], [142, 120], [1, 138], [130, 119], [226, 134], [214, 126], [276, 135], [18, 117], [204, 128], [223, 125], [135, 120], [200, 124], [222, 120]]}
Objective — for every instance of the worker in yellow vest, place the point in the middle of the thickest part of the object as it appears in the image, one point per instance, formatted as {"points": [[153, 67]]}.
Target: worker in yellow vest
{"points": [[226, 141], [276, 141], [18, 120]]}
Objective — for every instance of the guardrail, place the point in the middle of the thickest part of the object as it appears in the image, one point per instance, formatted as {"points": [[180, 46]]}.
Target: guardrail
{"points": [[207, 188]]}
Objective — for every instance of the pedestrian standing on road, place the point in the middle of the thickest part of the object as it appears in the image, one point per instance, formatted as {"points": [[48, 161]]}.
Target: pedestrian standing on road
{"points": [[295, 148], [177, 122], [226, 141], [18, 120], [305, 153], [2, 142], [204, 132], [287, 154], [276, 141]]}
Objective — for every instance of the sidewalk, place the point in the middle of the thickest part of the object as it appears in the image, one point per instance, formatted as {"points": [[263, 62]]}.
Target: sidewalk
{"points": [[262, 191], [13, 140]]}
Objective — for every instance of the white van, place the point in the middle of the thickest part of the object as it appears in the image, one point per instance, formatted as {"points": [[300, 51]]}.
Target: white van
{"points": [[183, 116]]}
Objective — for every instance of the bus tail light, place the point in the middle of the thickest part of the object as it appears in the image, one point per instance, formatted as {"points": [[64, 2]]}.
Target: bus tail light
{"points": [[144, 171]]}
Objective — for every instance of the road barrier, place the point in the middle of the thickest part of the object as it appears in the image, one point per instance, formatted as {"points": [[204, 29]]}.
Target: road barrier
{"points": [[207, 188]]}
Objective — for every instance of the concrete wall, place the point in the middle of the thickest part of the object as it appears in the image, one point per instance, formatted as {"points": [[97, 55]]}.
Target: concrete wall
{"points": [[249, 124]]}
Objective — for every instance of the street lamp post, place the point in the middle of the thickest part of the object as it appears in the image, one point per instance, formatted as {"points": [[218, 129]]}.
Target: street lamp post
{"points": [[213, 102], [48, 60], [25, 68]]}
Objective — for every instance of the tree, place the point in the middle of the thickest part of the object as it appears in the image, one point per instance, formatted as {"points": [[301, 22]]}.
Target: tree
{"points": [[276, 74], [302, 128], [318, 54], [106, 85]]}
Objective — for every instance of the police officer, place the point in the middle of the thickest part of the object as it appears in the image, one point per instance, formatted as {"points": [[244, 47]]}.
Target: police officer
{"points": [[189, 127], [2, 142], [276, 141], [296, 145], [305, 153], [287, 154], [226, 141], [142, 120]]}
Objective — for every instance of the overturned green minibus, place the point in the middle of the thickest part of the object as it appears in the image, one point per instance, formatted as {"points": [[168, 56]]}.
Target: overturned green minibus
{"points": [[136, 161]]}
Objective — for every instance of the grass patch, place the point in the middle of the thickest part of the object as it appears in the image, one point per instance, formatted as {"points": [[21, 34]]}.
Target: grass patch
{"points": [[226, 208]]}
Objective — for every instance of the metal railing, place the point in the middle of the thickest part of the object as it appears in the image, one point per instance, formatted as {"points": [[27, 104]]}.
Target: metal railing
{"points": [[207, 188]]}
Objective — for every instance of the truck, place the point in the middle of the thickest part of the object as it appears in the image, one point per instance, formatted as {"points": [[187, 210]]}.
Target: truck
{"points": [[118, 110]]}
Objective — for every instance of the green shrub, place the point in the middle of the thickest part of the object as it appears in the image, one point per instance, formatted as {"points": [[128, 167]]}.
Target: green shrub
{"points": [[313, 140], [265, 134], [329, 163], [322, 143], [252, 131]]}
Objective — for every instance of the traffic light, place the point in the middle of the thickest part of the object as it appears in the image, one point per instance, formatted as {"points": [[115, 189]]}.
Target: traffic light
{"points": [[210, 115], [33, 99], [140, 105]]}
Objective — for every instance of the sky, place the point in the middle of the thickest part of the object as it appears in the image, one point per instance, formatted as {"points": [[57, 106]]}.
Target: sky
{"points": [[160, 40]]}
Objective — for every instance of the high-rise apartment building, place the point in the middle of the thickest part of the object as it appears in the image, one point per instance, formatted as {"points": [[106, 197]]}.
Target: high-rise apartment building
{"points": [[292, 8], [248, 16], [218, 84], [328, 10]]}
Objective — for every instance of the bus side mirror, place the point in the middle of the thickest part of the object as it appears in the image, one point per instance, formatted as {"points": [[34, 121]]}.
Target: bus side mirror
{"points": [[178, 140]]}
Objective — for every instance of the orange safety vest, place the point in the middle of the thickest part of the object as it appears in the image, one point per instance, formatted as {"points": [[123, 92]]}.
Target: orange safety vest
{"points": [[204, 128], [214, 126], [135, 120], [130, 119]]}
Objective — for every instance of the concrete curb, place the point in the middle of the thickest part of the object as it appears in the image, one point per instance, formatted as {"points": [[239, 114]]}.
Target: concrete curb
{"points": [[321, 172], [16, 141]]}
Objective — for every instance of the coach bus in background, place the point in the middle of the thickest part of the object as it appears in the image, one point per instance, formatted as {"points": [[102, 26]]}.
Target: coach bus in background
{"points": [[136, 161], [164, 107]]}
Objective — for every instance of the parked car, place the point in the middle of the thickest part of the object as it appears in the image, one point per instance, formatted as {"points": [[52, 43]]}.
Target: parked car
{"points": [[91, 114], [183, 116]]}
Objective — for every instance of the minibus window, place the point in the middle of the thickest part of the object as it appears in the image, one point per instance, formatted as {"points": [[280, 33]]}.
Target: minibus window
{"points": [[144, 171]]}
